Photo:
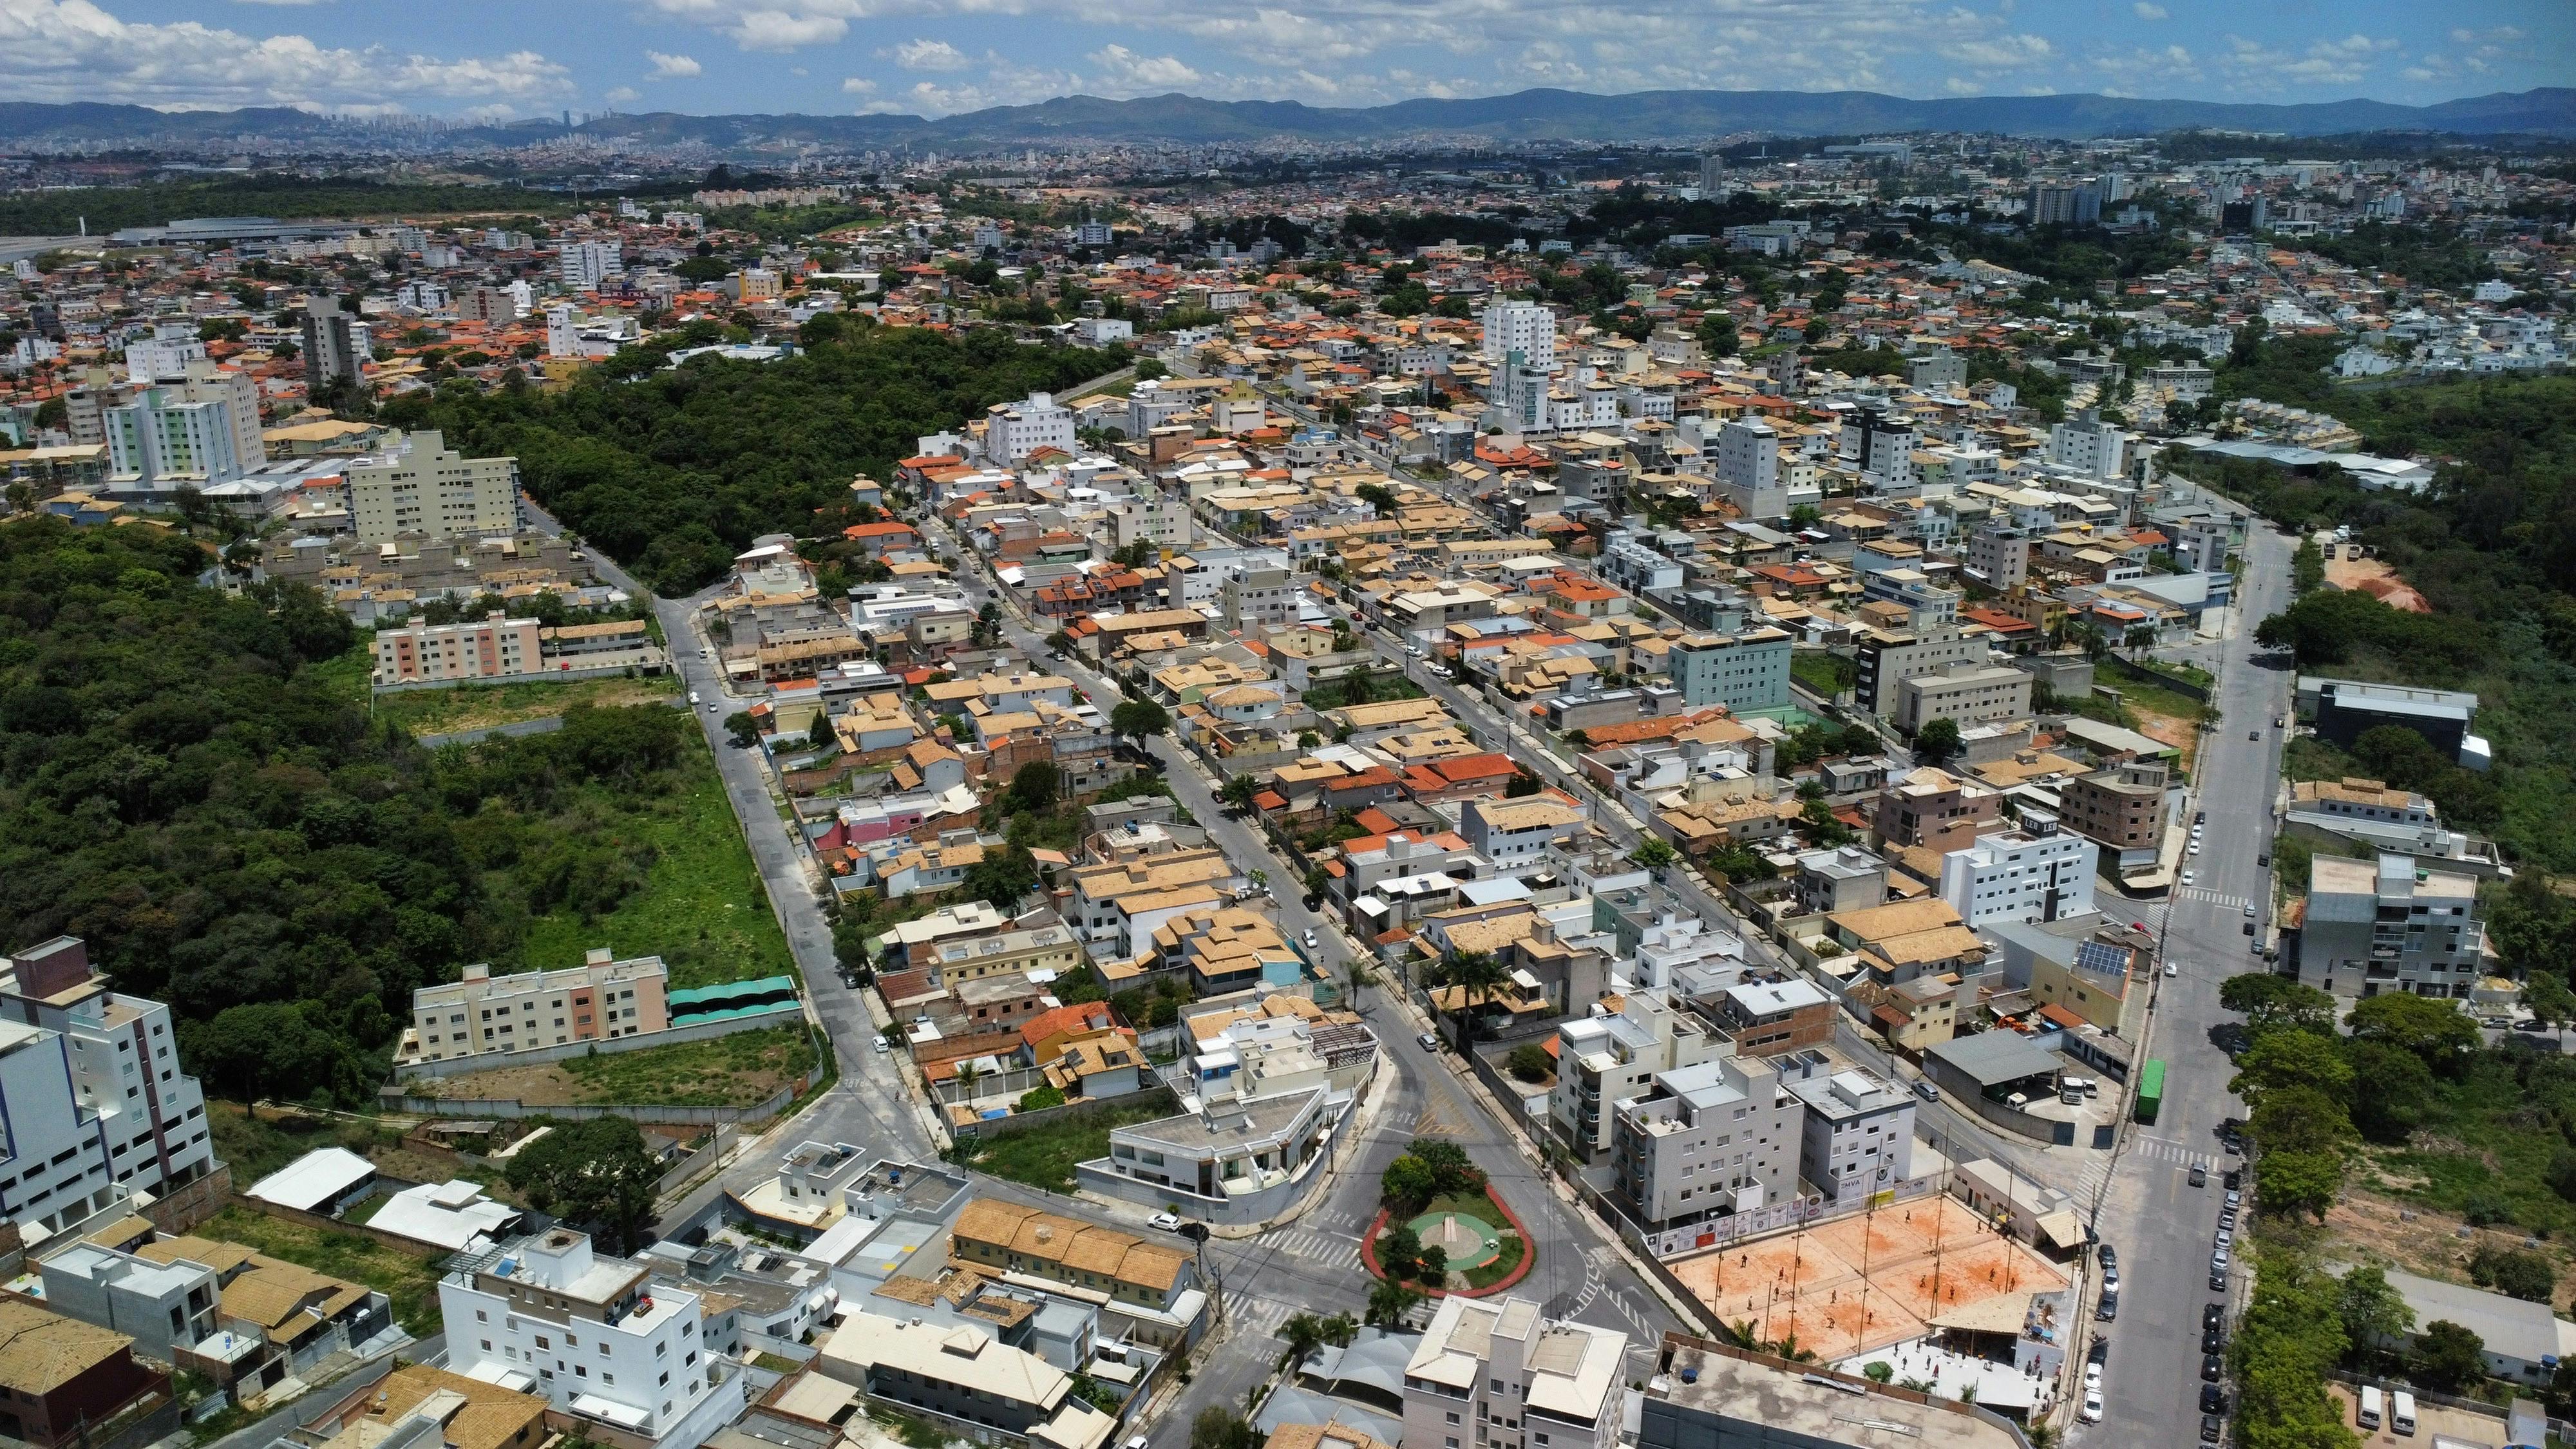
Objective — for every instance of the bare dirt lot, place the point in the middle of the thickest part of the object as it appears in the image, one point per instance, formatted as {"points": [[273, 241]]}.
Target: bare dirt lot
{"points": [[1863, 1282]]}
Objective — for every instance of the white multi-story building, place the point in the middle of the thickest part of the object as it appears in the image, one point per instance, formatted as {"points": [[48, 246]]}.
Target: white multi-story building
{"points": [[90, 1092], [1710, 1141], [1748, 468], [1523, 327], [1514, 834], [2088, 445], [2038, 873], [1858, 1140], [583, 266], [1012, 431], [602, 997], [164, 356], [597, 1337], [425, 489], [488, 648], [1494, 1374], [1606, 1058]]}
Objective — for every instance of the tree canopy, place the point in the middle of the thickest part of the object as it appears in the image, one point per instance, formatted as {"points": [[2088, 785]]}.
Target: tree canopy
{"points": [[673, 471], [187, 787]]}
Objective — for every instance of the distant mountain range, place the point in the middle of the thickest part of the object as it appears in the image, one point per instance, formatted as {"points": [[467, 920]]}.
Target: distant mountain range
{"points": [[1524, 116]]}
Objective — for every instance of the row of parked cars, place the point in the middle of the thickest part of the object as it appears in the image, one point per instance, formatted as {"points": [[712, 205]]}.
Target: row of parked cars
{"points": [[2213, 1317]]}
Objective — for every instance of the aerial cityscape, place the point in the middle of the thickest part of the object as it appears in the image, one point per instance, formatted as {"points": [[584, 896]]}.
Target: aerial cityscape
{"points": [[1348, 727]]}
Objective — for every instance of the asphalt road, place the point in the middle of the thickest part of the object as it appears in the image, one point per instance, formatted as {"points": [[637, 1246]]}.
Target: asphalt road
{"points": [[2161, 1225]]}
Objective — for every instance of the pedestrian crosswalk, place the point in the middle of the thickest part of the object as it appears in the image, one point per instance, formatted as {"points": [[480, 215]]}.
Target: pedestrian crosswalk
{"points": [[1256, 1318], [1436, 1121], [2215, 898], [1318, 1249], [2158, 1149]]}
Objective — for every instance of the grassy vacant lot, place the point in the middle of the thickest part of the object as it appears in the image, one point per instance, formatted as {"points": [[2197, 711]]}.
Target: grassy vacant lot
{"points": [[2483, 1152], [475, 707], [1823, 673], [729, 1071], [702, 909], [409, 1279], [257, 1146], [1043, 1155]]}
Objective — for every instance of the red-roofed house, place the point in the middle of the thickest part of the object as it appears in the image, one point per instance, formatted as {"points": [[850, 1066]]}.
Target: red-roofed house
{"points": [[1458, 779]]}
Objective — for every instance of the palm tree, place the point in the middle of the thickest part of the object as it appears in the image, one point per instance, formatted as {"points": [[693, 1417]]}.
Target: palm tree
{"points": [[1340, 1329], [1474, 975], [1303, 1333]]}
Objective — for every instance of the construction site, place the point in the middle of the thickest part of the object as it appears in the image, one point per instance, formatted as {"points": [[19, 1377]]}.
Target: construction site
{"points": [[1891, 1275]]}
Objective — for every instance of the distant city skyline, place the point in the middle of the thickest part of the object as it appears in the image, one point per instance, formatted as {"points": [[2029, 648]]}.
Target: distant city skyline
{"points": [[488, 60]]}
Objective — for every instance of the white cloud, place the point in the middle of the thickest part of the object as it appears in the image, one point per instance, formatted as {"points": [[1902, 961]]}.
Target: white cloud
{"points": [[1122, 69], [858, 86], [623, 95], [2325, 62], [2146, 11], [64, 50], [671, 67], [928, 55], [282, 2], [2001, 52]]}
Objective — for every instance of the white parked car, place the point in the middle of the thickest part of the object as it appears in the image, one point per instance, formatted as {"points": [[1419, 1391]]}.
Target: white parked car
{"points": [[2186, 877], [1167, 1222], [2092, 1412], [2173, 968]]}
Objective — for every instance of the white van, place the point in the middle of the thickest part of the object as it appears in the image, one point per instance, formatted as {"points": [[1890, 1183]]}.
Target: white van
{"points": [[2401, 1412], [2368, 1416]]}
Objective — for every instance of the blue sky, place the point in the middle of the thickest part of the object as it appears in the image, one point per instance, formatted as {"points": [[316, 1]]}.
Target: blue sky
{"points": [[503, 58]]}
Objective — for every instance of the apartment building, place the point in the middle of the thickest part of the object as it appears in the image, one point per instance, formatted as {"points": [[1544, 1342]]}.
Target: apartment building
{"points": [[2121, 808], [1707, 1142], [91, 1091], [488, 648], [583, 266], [1748, 469], [2038, 873], [336, 344], [426, 489], [1744, 672], [2088, 445], [1965, 693], [1857, 1140], [1607, 1057], [1236, 1163], [2390, 925], [1013, 431], [200, 427], [1715, 1396], [1495, 1374], [1933, 808], [480, 1012], [1998, 556], [596, 1337], [1771, 1018], [1523, 327], [1514, 834]]}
